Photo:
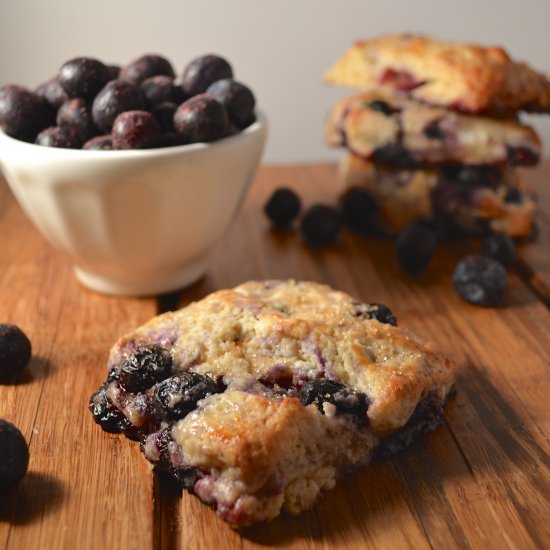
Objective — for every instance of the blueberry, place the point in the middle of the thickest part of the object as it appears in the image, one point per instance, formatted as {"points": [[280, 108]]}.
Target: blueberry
{"points": [[358, 208], [395, 154], [346, 400], [15, 350], [76, 115], [178, 395], [106, 414], [112, 376], [203, 71], [522, 156], [169, 139], [499, 247], [23, 113], [473, 176], [514, 196], [162, 440], [135, 130], [99, 143], [83, 77], [159, 89], [52, 92], [186, 477], [282, 207], [237, 98], [433, 131], [116, 97], [144, 367], [201, 118], [480, 280], [114, 71], [14, 455], [427, 416], [146, 66], [164, 113], [415, 247], [320, 225], [380, 312], [57, 136], [382, 107]]}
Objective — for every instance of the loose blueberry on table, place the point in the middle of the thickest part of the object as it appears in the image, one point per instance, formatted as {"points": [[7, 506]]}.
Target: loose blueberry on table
{"points": [[321, 225], [282, 207], [499, 247], [358, 208], [415, 246], [15, 350], [14, 455], [480, 280]]}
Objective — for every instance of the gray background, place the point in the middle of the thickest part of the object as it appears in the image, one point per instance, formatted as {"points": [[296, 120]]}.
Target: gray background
{"points": [[280, 48]]}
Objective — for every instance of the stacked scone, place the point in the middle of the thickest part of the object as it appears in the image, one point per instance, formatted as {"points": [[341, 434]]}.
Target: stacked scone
{"points": [[434, 133]]}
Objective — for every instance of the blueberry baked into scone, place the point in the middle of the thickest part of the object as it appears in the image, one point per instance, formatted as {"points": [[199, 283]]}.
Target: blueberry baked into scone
{"points": [[467, 199], [257, 399], [396, 130], [434, 133]]}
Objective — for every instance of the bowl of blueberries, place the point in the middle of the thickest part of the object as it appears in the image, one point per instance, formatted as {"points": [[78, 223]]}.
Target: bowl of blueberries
{"points": [[133, 172]]}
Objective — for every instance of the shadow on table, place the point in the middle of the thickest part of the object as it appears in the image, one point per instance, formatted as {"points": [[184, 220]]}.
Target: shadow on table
{"points": [[36, 496], [37, 369]]}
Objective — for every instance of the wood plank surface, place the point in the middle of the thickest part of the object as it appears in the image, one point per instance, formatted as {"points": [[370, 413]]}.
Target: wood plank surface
{"points": [[482, 480], [84, 488]]}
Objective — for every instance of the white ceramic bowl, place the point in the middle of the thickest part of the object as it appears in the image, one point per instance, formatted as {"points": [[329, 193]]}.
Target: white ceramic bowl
{"points": [[134, 222]]}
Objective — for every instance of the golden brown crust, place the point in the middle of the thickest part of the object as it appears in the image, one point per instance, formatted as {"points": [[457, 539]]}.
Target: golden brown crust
{"points": [[260, 444], [465, 77], [395, 129], [408, 195], [305, 329]]}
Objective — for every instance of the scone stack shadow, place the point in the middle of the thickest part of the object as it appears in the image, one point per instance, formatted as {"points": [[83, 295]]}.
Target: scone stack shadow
{"points": [[433, 133]]}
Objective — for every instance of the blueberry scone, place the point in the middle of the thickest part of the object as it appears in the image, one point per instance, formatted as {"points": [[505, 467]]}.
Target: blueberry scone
{"points": [[394, 129], [471, 199], [463, 77], [259, 398]]}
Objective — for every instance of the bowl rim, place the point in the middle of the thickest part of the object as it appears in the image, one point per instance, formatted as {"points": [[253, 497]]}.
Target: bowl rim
{"points": [[255, 128]]}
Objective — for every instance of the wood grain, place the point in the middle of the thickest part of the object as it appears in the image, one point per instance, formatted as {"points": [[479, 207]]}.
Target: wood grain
{"points": [[482, 480], [84, 488]]}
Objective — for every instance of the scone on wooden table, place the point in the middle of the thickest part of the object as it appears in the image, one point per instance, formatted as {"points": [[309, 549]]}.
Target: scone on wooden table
{"points": [[458, 76], [262, 396], [391, 128]]}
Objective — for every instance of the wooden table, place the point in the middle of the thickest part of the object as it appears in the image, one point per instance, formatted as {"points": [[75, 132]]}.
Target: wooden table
{"points": [[482, 480]]}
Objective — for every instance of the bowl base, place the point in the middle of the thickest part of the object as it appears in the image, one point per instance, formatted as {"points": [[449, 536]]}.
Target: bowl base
{"points": [[151, 285]]}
